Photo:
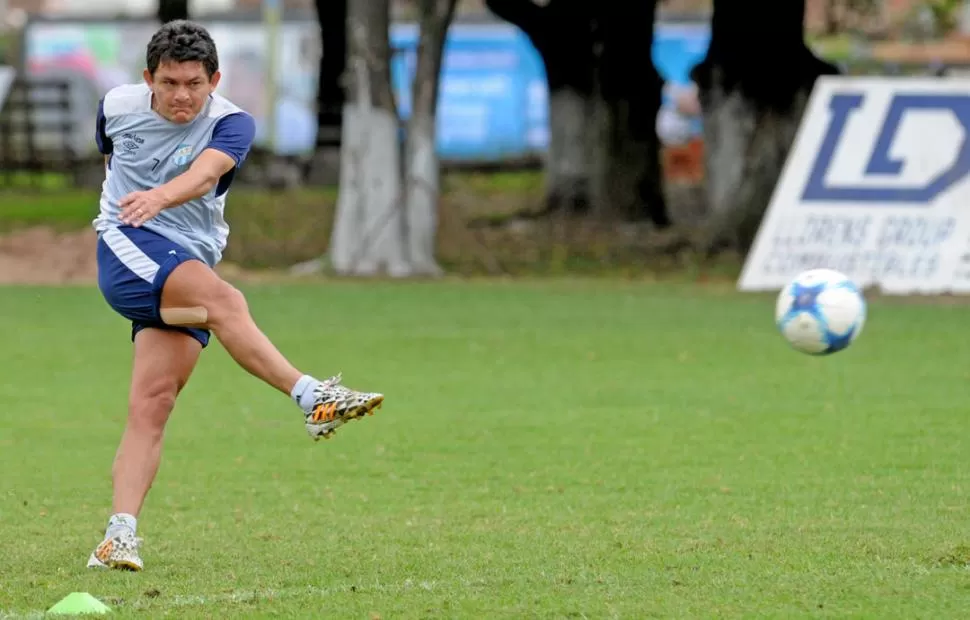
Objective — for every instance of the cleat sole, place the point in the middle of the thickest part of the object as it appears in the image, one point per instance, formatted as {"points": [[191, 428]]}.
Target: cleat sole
{"points": [[129, 566], [366, 409]]}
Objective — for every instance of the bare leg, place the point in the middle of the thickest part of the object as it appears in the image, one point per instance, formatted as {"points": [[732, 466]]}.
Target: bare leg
{"points": [[194, 284], [163, 362], [195, 292]]}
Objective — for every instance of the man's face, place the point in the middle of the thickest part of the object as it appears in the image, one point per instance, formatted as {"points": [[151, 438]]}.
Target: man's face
{"points": [[181, 89]]}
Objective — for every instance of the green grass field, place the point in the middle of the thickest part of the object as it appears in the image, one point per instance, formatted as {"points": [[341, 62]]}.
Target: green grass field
{"points": [[558, 449]]}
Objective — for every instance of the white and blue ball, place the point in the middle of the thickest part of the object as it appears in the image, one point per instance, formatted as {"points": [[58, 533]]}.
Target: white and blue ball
{"points": [[820, 312]]}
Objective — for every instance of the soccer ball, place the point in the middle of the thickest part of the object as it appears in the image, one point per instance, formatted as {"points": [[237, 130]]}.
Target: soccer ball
{"points": [[820, 312]]}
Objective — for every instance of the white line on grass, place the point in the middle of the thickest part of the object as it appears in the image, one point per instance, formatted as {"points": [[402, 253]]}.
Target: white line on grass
{"points": [[260, 594]]}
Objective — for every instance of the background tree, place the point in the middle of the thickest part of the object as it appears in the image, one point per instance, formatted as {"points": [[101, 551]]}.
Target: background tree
{"points": [[753, 83], [422, 169], [169, 10], [605, 92], [386, 218], [332, 17]]}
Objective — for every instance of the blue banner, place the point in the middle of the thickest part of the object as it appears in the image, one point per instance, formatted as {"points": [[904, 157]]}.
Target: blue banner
{"points": [[493, 101]]}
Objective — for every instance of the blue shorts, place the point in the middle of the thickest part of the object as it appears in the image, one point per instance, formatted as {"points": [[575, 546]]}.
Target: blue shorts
{"points": [[133, 264]]}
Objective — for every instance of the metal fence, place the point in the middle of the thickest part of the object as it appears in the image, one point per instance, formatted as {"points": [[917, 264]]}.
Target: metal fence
{"points": [[37, 126]]}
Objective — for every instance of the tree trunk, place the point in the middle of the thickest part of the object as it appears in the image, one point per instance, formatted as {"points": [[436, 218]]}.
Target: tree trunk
{"points": [[753, 85], [421, 159], [603, 152], [628, 180], [387, 212], [568, 160], [332, 16], [170, 10], [323, 167], [562, 33], [368, 230]]}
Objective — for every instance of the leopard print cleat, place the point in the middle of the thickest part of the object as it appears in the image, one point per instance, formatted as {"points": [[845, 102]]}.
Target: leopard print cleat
{"points": [[119, 552], [334, 405]]}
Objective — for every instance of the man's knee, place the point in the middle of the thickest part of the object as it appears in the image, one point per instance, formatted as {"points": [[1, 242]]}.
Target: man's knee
{"points": [[226, 304], [150, 405], [194, 289]]}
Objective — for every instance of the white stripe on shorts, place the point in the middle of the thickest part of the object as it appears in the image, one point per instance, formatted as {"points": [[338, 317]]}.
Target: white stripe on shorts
{"points": [[130, 254]]}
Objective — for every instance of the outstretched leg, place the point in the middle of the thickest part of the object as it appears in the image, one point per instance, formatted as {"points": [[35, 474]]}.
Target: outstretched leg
{"points": [[196, 293], [163, 363]]}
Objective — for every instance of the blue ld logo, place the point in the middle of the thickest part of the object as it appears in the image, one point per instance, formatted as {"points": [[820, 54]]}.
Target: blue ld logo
{"points": [[881, 161], [183, 154]]}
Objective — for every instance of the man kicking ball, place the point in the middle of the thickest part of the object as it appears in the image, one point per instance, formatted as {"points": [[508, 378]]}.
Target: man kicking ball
{"points": [[172, 147]]}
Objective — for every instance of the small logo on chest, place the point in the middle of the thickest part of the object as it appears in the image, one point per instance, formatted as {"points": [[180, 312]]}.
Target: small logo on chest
{"points": [[130, 142], [183, 155]]}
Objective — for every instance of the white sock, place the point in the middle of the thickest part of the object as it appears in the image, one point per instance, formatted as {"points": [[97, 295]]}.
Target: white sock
{"points": [[302, 392], [119, 522]]}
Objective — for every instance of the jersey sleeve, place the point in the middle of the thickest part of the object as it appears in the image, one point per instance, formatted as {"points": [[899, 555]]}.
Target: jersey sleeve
{"points": [[105, 145], [234, 135]]}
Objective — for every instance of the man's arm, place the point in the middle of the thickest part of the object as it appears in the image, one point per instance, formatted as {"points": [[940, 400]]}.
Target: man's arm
{"points": [[198, 180], [231, 140]]}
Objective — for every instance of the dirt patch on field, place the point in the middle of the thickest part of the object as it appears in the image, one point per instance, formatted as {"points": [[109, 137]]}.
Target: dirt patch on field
{"points": [[44, 256]]}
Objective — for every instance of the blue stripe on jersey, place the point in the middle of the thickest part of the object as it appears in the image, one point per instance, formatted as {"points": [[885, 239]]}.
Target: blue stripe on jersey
{"points": [[232, 135], [105, 145]]}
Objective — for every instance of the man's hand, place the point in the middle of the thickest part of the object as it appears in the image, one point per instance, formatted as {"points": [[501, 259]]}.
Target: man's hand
{"points": [[201, 177], [139, 207]]}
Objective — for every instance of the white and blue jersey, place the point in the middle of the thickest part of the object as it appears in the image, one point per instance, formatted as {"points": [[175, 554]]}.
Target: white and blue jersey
{"points": [[146, 151]]}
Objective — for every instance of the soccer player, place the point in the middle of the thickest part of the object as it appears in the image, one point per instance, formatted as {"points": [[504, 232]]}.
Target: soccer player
{"points": [[172, 147]]}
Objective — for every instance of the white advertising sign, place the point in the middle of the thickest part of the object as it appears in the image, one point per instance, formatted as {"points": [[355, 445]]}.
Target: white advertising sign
{"points": [[877, 186]]}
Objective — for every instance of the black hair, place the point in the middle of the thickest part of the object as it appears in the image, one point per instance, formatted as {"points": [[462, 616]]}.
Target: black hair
{"points": [[182, 41]]}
